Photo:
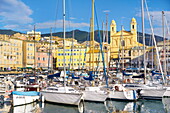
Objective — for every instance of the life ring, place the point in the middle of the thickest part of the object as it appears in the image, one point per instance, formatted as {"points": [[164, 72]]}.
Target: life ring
{"points": [[116, 88]]}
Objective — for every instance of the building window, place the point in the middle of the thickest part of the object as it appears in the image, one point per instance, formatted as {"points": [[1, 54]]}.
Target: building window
{"points": [[122, 43], [129, 53], [112, 28], [133, 27]]}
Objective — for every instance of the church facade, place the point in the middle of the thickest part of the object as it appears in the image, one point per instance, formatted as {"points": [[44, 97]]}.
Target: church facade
{"points": [[121, 44]]}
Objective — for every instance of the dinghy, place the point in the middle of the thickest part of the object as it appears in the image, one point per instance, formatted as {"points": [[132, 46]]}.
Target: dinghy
{"points": [[21, 98]]}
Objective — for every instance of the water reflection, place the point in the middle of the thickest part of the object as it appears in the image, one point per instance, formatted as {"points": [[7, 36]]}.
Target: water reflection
{"points": [[91, 107], [151, 106], [29, 108], [55, 108], [141, 106], [166, 103], [117, 106]]}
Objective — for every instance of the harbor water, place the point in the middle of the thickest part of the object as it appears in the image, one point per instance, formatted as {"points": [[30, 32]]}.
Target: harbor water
{"points": [[141, 106]]}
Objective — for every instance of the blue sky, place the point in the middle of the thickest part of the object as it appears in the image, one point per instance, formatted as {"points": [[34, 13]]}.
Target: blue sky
{"points": [[21, 15]]}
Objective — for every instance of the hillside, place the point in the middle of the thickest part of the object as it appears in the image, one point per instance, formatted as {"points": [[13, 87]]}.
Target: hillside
{"points": [[8, 31], [82, 36]]}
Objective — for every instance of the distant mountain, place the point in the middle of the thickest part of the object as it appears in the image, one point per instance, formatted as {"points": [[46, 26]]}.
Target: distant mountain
{"points": [[148, 40], [8, 31], [82, 36]]}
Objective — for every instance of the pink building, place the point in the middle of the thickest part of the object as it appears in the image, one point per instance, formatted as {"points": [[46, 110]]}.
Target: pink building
{"points": [[43, 59]]}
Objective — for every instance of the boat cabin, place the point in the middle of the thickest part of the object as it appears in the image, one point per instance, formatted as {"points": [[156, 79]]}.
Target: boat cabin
{"points": [[61, 89], [92, 89]]}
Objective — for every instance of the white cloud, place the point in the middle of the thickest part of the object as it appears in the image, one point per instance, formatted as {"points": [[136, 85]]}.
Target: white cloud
{"points": [[15, 11], [157, 16], [23, 27], [106, 11], [46, 25], [158, 32], [59, 24], [72, 18]]}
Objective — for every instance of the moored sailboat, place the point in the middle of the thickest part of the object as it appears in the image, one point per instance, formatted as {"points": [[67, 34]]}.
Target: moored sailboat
{"points": [[152, 91], [93, 93], [64, 94], [119, 92]]}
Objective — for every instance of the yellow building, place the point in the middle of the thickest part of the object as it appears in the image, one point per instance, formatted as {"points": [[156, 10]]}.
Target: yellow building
{"points": [[68, 41], [123, 39], [121, 42], [34, 35], [10, 52], [4, 51], [16, 52], [29, 48], [74, 56], [94, 59]]}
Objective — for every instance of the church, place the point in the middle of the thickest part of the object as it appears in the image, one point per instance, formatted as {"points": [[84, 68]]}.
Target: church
{"points": [[122, 44]]}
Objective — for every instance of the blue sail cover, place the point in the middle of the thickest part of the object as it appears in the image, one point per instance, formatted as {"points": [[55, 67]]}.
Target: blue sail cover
{"points": [[139, 76], [54, 75], [68, 72], [155, 73], [28, 93], [124, 73], [73, 77], [90, 76]]}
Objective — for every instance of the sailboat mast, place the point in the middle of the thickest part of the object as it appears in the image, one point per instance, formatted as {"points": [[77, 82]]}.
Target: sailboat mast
{"points": [[64, 41], [152, 45], [157, 52], [107, 41], [122, 45], [143, 35], [72, 56], [92, 35], [34, 52], [49, 51], [107, 28], [164, 48]]}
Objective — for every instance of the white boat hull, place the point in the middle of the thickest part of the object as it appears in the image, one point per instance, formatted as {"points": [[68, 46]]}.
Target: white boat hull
{"points": [[63, 98], [167, 93], [95, 96], [18, 85], [129, 95], [152, 93], [22, 99], [28, 108]]}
